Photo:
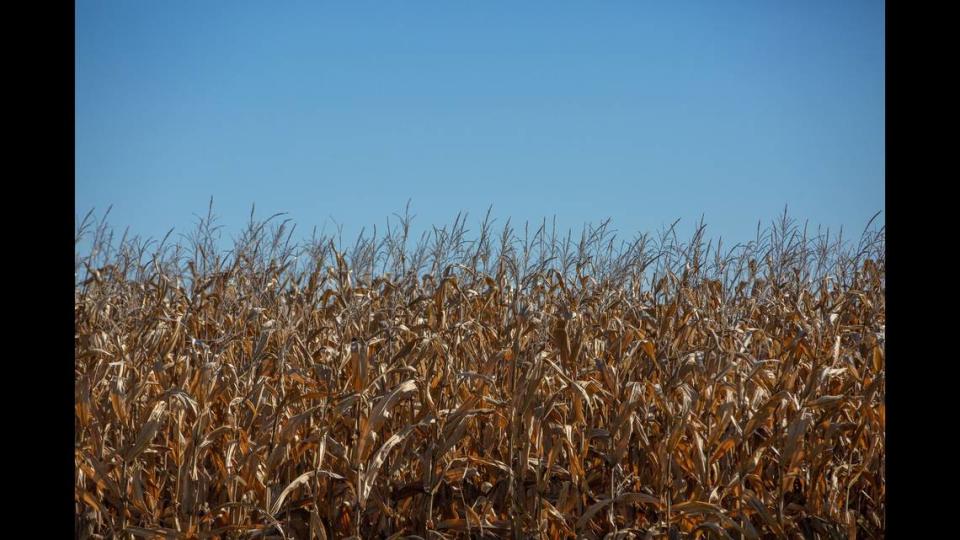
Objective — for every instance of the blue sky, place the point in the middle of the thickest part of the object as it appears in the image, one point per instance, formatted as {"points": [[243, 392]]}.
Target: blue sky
{"points": [[643, 112]]}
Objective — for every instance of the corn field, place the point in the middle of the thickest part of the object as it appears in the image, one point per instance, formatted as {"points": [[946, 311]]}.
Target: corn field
{"points": [[500, 383]]}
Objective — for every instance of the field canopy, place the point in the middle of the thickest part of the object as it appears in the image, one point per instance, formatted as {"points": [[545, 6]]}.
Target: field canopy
{"points": [[490, 384]]}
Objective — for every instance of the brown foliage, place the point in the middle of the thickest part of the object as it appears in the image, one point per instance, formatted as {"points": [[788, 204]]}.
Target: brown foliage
{"points": [[494, 401]]}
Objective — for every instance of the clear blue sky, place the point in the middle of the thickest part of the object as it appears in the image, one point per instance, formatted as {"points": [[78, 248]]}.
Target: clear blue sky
{"points": [[643, 112]]}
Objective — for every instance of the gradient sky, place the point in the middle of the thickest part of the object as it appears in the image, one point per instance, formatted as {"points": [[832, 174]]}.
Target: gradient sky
{"points": [[643, 112]]}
